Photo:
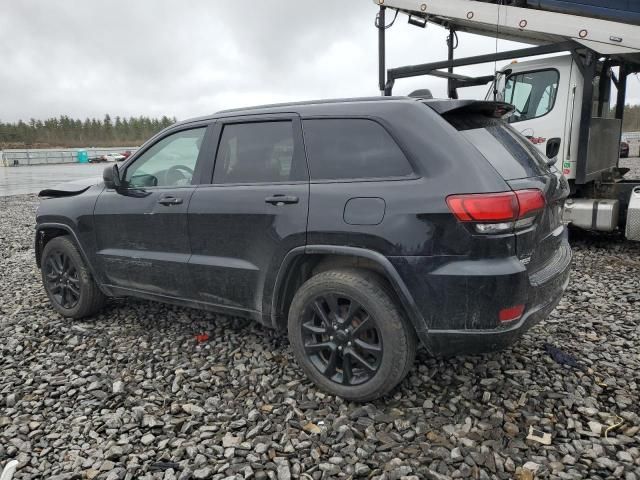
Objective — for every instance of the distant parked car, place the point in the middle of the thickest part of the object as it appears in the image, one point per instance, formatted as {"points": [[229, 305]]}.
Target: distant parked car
{"points": [[109, 157], [114, 157], [624, 150]]}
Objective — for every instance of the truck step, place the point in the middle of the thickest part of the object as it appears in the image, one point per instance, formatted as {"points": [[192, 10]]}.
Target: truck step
{"points": [[633, 216]]}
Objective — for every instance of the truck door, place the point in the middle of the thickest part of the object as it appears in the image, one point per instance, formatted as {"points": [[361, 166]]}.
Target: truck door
{"points": [[540, 93], [572, 125]]}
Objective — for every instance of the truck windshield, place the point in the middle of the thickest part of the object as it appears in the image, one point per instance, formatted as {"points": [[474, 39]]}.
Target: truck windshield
{"points": [[532, 93]]}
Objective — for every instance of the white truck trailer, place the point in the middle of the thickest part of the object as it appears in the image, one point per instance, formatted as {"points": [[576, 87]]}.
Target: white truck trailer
{"points": [[562, 103]]}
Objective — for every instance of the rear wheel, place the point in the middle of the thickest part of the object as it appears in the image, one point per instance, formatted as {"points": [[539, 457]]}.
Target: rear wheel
{"points": [[67, 281], [349, 336]]}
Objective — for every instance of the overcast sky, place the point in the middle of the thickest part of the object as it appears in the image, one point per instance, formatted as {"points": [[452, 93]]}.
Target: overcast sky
{"points": [[85, 58]]}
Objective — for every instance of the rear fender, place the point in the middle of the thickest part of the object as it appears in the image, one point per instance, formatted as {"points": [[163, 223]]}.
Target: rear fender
{"points": [[409, 306]]}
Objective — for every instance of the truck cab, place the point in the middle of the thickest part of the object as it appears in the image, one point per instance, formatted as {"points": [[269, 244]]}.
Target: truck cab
{"points": [[546, 94]]}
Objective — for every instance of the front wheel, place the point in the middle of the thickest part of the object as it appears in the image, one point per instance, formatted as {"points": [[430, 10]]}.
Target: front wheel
{"points": [[349, 336], [71, 289]]}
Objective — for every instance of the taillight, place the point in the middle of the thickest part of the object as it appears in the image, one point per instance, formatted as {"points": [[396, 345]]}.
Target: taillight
{"points": [[529, 201], [510, 314], [497, 212]]}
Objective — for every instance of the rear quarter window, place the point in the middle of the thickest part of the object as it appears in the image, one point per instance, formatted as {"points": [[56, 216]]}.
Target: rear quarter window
{"points": [[507, 150], [340, 149]]}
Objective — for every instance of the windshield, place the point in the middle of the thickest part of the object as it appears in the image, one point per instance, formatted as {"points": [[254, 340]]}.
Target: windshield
{"points": [[533, 94]]}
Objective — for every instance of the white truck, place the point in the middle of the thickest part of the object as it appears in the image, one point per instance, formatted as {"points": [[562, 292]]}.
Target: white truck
{"points": [[563, 104]]}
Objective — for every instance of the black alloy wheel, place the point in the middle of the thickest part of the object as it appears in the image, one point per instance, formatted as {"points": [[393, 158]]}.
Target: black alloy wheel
{"points": [[62, 279], [349, 335], [341, 339], [66, 279]]}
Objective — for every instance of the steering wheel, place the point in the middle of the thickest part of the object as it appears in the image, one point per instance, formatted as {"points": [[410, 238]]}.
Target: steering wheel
{"points": [[518, 112], [176, 173]]}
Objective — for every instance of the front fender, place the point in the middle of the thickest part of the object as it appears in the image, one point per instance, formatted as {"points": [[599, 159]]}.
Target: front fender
{"points": [[58, 229]]}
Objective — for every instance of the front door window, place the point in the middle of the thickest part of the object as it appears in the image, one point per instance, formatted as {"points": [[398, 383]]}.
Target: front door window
{"points": [[169, 163]]}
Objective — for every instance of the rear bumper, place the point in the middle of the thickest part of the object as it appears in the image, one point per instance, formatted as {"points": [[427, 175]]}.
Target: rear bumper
{"points": [[456, 342], [460, 299]]}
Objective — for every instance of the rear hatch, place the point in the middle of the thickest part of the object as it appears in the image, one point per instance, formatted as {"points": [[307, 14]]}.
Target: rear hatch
{"points": [[522, 166]]}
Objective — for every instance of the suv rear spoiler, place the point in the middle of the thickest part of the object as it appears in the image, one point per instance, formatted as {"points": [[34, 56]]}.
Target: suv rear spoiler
{"points": [[489, 109]]}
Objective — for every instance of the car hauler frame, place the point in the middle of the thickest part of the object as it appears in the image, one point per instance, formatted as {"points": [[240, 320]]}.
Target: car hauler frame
{"points": [[601, 198]]}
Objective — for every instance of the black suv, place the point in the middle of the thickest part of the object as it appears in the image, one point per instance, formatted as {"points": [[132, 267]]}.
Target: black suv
{"points": [[361, 226]]}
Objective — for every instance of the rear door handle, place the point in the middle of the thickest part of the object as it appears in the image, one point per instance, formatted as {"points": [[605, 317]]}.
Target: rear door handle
{"points": [[170, 201], [282, 199]]}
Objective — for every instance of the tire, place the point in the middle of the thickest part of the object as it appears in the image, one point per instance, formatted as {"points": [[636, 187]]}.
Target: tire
{"points": [[371, 331], [60, 253]]}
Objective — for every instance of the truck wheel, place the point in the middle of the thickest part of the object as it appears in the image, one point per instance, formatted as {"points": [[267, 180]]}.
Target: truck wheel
{"points": [[67, 281], [349, 336]]}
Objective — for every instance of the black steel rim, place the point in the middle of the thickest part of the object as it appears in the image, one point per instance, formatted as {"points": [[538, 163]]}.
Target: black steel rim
{"points": [[341, 339], [62, 279]]}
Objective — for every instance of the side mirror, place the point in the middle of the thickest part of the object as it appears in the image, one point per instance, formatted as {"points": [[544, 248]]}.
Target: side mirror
{"points": [[111, 176], [553, 147]]}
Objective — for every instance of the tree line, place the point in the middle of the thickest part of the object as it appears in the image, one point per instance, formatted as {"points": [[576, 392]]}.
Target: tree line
{"points": [[68, 132], [120, 132]]}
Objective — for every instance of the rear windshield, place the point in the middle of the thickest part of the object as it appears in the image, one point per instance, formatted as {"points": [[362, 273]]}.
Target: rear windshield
{"points": [[510, 153]]}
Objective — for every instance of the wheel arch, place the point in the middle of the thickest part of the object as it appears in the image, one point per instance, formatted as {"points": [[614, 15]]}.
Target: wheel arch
{"points": [[46, 232], [302, 263]]}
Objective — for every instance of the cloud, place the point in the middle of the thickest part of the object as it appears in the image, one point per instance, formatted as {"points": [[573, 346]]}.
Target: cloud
{"points": [[155, 57]]}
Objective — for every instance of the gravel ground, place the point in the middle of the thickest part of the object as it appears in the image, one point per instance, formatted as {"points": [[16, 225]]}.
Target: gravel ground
{"points": [[633, 164], [131, 394]]}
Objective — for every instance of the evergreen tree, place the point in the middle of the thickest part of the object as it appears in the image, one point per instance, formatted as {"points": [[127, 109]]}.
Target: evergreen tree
{"points": [[68, 132]]}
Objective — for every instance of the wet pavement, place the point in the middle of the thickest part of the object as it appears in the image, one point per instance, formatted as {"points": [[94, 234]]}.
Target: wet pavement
{"points": [[24, 180]]}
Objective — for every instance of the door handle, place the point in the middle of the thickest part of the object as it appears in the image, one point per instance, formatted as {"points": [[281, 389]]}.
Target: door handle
{"points": [[167, 201], [282, 199]]}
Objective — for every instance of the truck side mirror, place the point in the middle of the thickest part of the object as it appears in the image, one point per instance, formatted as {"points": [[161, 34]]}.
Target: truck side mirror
{"points": [[111, 176], [553, 147]]}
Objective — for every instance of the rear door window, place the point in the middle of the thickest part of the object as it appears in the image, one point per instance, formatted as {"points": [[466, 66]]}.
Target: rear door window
{"points": [[533, 94], [342, 149], [258, 152]]}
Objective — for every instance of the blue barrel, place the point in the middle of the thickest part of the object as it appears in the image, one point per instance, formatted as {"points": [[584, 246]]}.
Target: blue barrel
{"points": [[83, 156]]}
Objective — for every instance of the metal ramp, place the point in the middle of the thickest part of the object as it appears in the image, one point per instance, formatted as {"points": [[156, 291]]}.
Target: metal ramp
{"points": [[527, 25]]}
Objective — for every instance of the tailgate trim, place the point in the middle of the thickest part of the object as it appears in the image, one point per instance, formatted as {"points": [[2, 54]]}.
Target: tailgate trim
{"points": [[559, 263]]}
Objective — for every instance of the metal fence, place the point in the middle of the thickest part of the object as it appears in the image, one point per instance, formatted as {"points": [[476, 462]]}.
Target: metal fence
{"points": [[16, 158], [631, 136]]}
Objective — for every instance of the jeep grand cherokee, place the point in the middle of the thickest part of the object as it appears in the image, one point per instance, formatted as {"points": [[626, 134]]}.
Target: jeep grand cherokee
{"points": [[361, 226]]}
